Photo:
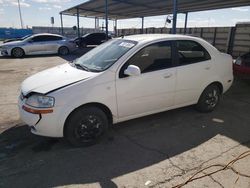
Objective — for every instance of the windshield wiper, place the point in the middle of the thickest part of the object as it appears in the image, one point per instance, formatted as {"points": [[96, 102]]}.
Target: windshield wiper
{"points": [[82, 67], [79, 66]]}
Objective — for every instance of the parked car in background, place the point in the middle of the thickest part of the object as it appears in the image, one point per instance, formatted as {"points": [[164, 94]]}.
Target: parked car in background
{"points": [[122, 79], [16, 39], [38, 44], [241, 66], [91, 39]]}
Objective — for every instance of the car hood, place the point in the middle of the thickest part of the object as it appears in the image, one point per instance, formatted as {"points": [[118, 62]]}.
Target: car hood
{"points": [[12, 43], [54, 78]]}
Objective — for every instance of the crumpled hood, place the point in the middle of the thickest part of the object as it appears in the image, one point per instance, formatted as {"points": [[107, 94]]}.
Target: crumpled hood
{"points": [[54, 78]]}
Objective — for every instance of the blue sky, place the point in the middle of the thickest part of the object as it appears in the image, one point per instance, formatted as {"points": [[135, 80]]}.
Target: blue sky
{"points": [[38, 13]]}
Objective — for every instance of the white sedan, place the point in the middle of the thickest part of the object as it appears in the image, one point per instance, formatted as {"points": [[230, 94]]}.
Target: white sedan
{"points": [[122, 79]]}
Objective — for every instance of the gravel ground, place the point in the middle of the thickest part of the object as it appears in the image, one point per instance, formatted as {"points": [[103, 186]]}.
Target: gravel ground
{"points": [[160, 150]]}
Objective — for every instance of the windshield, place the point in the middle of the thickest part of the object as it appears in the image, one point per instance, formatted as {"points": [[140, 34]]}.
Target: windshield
{"points": [[105, 55], [28, 38], [86, 35], [25, 37]]}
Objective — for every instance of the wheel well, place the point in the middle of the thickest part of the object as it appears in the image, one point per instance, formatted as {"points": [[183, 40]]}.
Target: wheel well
{"points": [[218, 84], [16, 48], [103, 107]]}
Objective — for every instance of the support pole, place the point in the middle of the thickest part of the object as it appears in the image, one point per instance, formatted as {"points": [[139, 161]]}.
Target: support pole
{"points": [[78, 23], [186, 19], [106, 18], [96, 24], [215, 33], [61, 23], [174, 16], [116, 31], [20, 14], [142, 25]]}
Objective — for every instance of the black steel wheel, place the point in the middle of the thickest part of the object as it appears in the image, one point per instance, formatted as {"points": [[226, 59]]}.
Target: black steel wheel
{"points": [[209, 99], [17, 52], [86, 126]]}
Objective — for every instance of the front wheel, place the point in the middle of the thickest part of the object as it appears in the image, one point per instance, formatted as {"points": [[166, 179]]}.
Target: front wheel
{"points": [[209, 99], [17, 52], [86, 126]]}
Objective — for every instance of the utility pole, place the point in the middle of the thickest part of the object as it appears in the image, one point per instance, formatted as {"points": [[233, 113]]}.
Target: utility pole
{"points": [[20, 13]]}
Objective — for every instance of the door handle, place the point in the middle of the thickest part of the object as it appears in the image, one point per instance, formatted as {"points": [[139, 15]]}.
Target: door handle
{"points": [[168, 75]]}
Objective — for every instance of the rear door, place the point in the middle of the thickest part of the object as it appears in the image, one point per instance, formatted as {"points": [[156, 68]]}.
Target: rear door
{"points": [[52, 43], [194, 68], [154, 89]]}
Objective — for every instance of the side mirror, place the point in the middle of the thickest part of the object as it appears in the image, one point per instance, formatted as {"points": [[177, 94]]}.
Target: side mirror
{"points": [[132, 70]]}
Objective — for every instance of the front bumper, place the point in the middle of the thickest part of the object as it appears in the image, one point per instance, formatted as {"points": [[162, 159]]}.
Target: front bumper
{"points": [[5, 53], [41, 124]]}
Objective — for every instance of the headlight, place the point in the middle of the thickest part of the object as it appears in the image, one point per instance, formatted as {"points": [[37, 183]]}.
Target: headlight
{"points": [[40, 101], [4, 47]]}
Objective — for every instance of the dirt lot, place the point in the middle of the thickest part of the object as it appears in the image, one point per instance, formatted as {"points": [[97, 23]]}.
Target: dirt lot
{"points": [[160, 150]]}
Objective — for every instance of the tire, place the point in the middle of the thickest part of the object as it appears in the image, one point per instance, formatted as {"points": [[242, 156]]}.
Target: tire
{"points": [[17, 52], [63, 50], [209, 99], [86, 126]]}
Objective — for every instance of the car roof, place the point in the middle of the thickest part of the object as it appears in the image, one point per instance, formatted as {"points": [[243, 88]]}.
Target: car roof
{"points": [[148, 38], [50, 34], [152, 37]]}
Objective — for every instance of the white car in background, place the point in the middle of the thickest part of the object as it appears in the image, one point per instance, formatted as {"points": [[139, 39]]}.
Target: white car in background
{"points": [[122, 79], [38, 44]]}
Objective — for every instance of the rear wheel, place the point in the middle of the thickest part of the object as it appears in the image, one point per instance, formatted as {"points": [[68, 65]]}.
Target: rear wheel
{"points": [[86, 126], [63, 50], [17, 52], [209, 99]]}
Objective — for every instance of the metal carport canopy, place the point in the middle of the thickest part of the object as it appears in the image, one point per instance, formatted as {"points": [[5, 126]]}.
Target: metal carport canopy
{"points": [[124, 9]]}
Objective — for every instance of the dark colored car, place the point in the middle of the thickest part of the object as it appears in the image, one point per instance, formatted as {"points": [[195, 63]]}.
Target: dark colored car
{"points": [[91, 39], [241, 66]]}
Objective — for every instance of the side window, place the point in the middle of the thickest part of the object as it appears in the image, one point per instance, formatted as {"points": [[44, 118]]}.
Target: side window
{"points": [[90, 36], [154, 57], [46, 38], [191, 52], [39, 39], [53, 38], [102, 36]]}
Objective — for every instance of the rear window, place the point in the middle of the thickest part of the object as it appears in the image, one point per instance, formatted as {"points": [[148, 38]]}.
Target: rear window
{"points": [[191, 52]]}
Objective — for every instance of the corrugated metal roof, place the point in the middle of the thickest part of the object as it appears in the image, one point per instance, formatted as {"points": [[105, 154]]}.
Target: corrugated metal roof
{"points": [[123, 9]]}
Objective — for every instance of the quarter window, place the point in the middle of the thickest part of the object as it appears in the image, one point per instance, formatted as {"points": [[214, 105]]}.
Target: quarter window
{"points": [[191, 52], [53, 38], [151, 58]]}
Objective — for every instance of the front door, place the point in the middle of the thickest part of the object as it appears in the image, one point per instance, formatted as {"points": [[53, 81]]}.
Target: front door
{"points": [[36, 45], [154, 89]]}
